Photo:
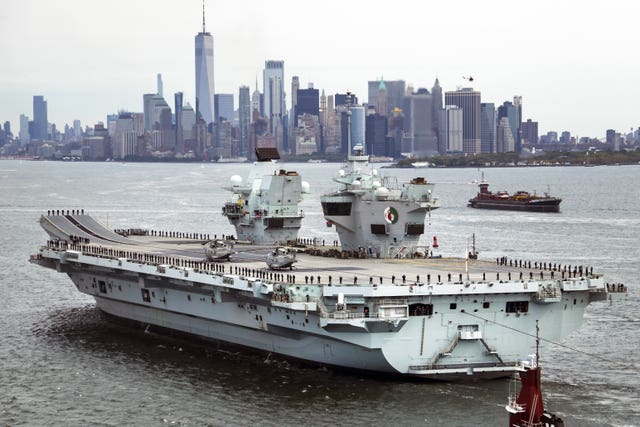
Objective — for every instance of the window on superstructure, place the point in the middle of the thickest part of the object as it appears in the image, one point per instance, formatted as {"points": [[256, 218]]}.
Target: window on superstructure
{"points": [[421, 309], [517, 306], [415, 229], [102, 285], [274, 222], [378, 229], [146, 297], [453, 306], [337, 208]]}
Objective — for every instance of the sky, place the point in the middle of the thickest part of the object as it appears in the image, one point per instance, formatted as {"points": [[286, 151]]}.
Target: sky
{"points": [[575, 65]]}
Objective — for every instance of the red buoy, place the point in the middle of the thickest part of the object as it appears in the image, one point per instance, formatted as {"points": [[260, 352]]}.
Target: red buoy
{"points": [[435, 242]]}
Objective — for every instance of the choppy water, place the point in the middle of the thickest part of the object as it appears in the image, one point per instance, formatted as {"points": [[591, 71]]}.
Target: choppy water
{"points": [[64, 363]]}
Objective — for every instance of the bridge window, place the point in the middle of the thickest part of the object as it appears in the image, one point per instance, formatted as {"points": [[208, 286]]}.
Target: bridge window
{"points": [[337, 208], [415, 229], [274, 222], [378, 229], [517, 306]]}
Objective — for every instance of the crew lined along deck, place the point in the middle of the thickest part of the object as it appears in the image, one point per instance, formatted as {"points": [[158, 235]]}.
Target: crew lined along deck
{"points": [[76, 230]]}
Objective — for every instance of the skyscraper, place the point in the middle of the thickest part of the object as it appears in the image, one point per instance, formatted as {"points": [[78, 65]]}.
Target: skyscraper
{"points": [[308, 102], [178, 102], [395, 91], [244, 119], [529, 132], [273, 107], [504, 141], [517, 102], [160, 86], [375, 135], [224, 107], [418, 123], [39, 118], [487, 127], [24, 130], [436, 106], [204, 74], [469, 100], [510, 111], [450, 128]]}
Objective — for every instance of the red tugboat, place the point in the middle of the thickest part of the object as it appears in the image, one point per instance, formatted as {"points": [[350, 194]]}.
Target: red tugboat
{"points": [[527, 410], [520, 201]]}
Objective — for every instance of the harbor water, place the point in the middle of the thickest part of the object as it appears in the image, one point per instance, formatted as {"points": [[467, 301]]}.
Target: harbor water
{"points": [[65, 363]]}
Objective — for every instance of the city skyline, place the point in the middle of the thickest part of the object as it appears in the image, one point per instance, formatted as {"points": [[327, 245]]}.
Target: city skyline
{"points": [[88, 62]]}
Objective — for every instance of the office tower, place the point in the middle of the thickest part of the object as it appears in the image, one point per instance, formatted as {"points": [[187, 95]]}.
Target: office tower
{"points": [[376, 128], [77, 129], [517, 102], [273, 105], [505, 140], [188, 127], [396, 131], [469, 100], [395, 91], [160, 90], [418, 123], [178, 99], [138, 123], [204, 74], [307, 134], [224, 107], [323, 109], [611, 136], [357, 125], [122, 143], [40, 124], [529, 132], [24, 130], [450, 127], [487, 127], [383, 99], [295, 85], [565, 137], [308, 103], [154, 118], [510, 111], [244, 119], [256, 102], [146, 110], [436, 95]]}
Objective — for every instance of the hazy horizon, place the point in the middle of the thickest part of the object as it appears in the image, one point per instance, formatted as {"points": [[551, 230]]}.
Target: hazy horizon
{"points": [[571, 64]]}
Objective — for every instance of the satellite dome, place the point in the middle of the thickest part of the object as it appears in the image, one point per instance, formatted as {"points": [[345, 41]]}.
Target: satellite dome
{"points": [[341, 172], [235, 180], [356, 184], [305, 187], [382, 192]]}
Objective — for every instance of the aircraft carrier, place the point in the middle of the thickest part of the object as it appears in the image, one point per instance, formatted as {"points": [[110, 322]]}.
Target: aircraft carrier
{"points": [[376, 301]]}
